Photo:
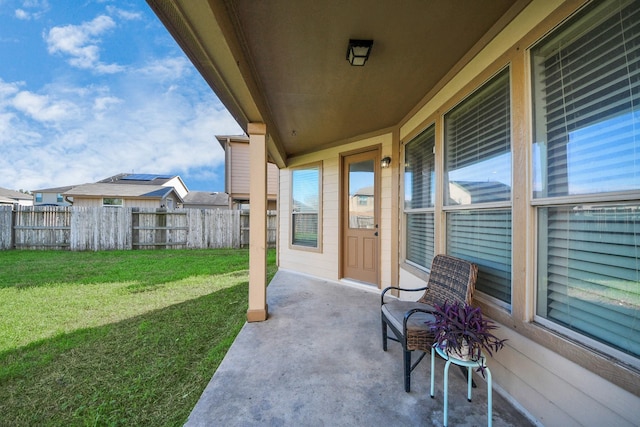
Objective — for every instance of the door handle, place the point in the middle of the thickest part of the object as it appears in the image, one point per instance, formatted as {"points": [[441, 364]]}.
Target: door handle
{"points": [[375, 234]]}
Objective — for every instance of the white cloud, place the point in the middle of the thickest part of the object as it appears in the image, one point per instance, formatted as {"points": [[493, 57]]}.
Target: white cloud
{"points": [[154, 117], [80, 44], [65, 134], [40, 4], [172, 68], [26, 12], [41, 108], [126, 15], [22, 14], [8, 89], [103, 103]]}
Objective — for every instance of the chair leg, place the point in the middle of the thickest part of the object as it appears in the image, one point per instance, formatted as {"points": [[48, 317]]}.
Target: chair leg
{"points": [[407, 370], [384, 335]]}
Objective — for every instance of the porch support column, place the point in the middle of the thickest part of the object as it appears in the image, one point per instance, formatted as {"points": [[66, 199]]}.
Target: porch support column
{"points": [[257, 222]]}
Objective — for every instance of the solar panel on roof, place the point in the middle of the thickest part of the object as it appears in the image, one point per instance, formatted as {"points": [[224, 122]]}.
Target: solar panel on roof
{"points": [[158, 193], [144, 177]]}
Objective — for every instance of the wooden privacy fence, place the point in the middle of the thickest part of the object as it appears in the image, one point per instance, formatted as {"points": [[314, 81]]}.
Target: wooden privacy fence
{"points": [[107, 228]]}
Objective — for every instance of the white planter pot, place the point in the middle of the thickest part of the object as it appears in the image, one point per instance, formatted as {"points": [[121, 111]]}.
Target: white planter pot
{"points": [[462, 355]]}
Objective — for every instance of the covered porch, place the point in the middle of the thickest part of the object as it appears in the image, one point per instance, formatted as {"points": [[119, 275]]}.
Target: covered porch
{"points": [[319, 361], [476, 146]]}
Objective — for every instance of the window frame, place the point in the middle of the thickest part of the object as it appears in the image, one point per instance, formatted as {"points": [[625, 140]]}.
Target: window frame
{"points": [[308, 166], [417, 268], [113, 204], [520, 320], [481, 207], [616, 366]]}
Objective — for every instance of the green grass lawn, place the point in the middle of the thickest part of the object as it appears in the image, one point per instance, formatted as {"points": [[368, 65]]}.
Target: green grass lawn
{"points": [[115, 338]]}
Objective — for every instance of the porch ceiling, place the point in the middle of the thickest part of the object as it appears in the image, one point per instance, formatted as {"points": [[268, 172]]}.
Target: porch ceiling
{"points": [[283, 62]]}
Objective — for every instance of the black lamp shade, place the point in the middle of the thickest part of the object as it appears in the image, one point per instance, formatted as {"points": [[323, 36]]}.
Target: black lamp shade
{"points": [[358, 51]]}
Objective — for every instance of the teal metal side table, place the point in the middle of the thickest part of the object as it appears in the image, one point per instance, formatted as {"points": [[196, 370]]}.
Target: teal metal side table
{"points": [[469, 364]]}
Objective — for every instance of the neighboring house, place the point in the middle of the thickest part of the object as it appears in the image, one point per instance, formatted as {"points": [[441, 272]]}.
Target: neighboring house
{"points": [[51, 196], [464, 193], [140, 190], [5, 201], [206, 200], [149, 179], [237, 171], [537, 95], [11, 197], [362, 207], [124, 195]]}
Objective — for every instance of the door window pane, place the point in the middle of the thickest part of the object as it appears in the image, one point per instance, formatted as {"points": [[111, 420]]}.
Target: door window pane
{"points": [[361, 195]]}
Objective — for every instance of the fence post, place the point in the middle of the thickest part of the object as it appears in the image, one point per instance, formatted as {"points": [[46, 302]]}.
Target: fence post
{"points": [[6, 227], [12, 239], [135, 232]]}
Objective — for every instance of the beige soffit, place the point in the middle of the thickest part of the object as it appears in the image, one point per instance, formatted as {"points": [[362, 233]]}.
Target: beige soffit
{"points": [[283, 62]]}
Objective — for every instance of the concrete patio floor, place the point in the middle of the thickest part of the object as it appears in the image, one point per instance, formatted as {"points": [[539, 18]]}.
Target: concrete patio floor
{"points": [[318, 361]]}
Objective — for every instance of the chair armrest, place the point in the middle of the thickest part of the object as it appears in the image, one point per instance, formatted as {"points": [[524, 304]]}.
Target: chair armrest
{"points": [[399, 289]]}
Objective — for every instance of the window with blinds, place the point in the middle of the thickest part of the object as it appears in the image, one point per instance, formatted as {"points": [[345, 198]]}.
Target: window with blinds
{"points": [[591, 271], [305, 206], [484, 237], [419, 198], [586, 98], [586, 160], [478, 146], [478, 184]]}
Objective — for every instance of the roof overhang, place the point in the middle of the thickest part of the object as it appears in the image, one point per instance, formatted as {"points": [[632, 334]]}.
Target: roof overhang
{"points": [[283, 63]]}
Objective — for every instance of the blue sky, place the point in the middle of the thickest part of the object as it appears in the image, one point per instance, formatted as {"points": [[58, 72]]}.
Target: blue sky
{"points": [[89, 89]]}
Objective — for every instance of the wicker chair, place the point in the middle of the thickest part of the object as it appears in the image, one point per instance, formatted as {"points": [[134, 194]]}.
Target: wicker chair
{"points": [[451, 279]]}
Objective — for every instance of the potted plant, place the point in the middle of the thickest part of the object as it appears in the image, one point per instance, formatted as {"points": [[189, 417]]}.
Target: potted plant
{"points": [[462, 332]]}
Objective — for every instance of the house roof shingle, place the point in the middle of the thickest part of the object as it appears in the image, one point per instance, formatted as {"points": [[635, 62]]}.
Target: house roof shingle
{"points": [[54, 189], [120, 190], [206, 198], [15, 195]]}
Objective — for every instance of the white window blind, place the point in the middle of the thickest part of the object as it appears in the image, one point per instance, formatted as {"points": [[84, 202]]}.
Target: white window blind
{"points": [[586, 87], [478, 171], [420, 230], [419, 182], [591, 272], [419, 171], [478, 146], [484, 238]]}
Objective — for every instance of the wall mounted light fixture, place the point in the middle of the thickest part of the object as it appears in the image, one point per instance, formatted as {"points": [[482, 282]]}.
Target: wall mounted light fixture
{"points": [[358, 51], [385, 162]]}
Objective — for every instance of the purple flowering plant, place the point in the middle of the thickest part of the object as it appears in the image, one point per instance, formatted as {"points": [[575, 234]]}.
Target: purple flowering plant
{"points": [[460, 328]]}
